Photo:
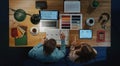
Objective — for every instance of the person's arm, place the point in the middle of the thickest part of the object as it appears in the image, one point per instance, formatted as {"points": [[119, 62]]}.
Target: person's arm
{"points": [[32, 52], [95, 51], [61, 53], [63, 46]]}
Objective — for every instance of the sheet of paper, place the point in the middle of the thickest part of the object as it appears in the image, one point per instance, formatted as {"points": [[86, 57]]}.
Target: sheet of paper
{"points": [[55, 34]]}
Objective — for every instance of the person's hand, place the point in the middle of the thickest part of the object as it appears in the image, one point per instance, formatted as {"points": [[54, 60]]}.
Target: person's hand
{"points": [[74, 43], [62, 36], [43, 40]]}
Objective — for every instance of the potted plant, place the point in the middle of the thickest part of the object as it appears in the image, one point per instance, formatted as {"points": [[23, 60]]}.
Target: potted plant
{"points": [[95, 4]]}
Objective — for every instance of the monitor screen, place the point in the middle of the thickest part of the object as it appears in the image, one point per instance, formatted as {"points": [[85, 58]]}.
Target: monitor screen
{"points": [[85, 34], [49, 15]]}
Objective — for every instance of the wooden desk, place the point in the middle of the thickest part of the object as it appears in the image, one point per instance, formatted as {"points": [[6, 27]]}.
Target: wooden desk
{"points": [[86, 11]]}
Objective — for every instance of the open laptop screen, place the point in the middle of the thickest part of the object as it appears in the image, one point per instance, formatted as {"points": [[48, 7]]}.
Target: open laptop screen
{"points": [[49, 15]]}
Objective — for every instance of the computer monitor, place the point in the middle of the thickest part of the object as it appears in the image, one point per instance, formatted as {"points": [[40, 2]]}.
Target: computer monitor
{"points": [[49, 15], [85, 34]]}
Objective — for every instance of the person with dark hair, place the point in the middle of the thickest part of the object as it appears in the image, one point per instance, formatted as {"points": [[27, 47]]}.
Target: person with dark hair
{"points": [[47, 50], [81, 52], [49, 46]]}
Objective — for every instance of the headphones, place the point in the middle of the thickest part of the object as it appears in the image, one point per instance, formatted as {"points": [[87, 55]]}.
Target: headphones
{"points": [[35, 19], [104, 17]]}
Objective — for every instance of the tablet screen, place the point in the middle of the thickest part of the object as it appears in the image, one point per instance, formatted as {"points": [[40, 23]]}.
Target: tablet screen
{"points": [[86, 34]]}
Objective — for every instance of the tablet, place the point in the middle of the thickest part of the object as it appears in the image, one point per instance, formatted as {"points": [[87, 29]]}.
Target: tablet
{"points": [[85, 34]]}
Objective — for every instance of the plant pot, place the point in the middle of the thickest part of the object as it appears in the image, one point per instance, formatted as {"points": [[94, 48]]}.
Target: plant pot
{"points": [[95, 4]]}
